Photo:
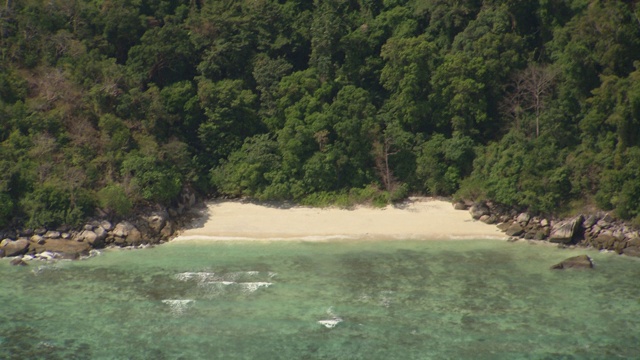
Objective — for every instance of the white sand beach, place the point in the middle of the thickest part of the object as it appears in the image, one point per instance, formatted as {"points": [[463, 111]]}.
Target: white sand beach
{"points": [[415, 219]]}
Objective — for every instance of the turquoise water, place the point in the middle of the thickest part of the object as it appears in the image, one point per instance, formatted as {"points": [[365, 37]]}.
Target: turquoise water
{"points": [[387, 300]]}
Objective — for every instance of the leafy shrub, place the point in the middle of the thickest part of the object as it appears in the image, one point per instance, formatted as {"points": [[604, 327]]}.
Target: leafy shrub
{"points": [[114, 199], [53, 204], [151, 179]]}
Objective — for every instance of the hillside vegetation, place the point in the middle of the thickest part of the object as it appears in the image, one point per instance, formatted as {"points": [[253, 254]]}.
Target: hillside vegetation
{"points": [[114, 104]]}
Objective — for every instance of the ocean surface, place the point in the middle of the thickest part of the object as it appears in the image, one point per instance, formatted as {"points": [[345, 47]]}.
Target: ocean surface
{"points": [[482, 299]]}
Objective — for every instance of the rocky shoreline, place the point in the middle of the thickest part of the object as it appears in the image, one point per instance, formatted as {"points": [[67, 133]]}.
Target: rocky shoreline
{"points": [[149, 226], [597, 230], [157, 225]]}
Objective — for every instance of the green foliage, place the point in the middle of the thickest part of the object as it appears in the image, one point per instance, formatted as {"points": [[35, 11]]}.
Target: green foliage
{"points": [[6, 209], [150, 179], [443, 163], [523, 172], [53, 204], [114, 199], [247, 170]]}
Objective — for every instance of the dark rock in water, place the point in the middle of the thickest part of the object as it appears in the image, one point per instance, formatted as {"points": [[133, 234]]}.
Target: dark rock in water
{"points": [[18, 262], [565, 231], [576, 262], [632, 251], [478, 210], [514, 230], [15, 248]]}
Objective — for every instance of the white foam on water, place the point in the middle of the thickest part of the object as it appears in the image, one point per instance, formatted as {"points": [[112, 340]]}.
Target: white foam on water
{"points": [[238, 274], [178, 306], [219, 283], [271, 275], [333, 322], [253, 286], [198, 276], [330, 324]]}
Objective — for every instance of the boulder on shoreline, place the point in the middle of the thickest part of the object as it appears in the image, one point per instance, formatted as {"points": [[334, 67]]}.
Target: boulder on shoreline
{"points": [[478, 210], [565, 231], [15, 247]]}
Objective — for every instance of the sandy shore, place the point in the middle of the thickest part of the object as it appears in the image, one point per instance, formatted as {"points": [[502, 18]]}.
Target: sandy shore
{"points": [[417, 218]]}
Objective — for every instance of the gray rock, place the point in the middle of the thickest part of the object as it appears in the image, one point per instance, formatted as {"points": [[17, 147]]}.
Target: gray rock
{"points": [[576, 262], [15, 248], [504, 225], [122, 229], [603, 224], [540, 235], [565, 231], [589, 221], [523, 218], [101, 233], [632, 251], [459, 205], [40, 231], [167, 230], [26, 232], [47, 255], [4, 241], [514, 230], [18, 262], [88, 227], [65, 235], [157, 220], [135, 237], [604, 241], [478, 210], [128, 233], [608, 218], [544, 222], [106, 225], [52, 235], [38, 239]]}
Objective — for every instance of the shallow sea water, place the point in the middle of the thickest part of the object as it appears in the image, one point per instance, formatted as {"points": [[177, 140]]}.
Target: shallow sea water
{"points": [[481, 299]]}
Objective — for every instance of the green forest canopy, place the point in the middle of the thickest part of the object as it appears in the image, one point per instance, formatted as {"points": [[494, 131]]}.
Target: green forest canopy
{"points": [[114, 104]]}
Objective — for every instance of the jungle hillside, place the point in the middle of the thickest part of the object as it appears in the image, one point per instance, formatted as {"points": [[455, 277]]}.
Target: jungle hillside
{"points": [[110, 105]]}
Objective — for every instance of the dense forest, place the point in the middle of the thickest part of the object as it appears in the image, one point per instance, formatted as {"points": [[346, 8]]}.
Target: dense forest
{"points": [[108, 105]]}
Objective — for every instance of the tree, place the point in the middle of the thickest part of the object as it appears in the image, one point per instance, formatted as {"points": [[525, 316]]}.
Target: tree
{"points": [[529, 90]]}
